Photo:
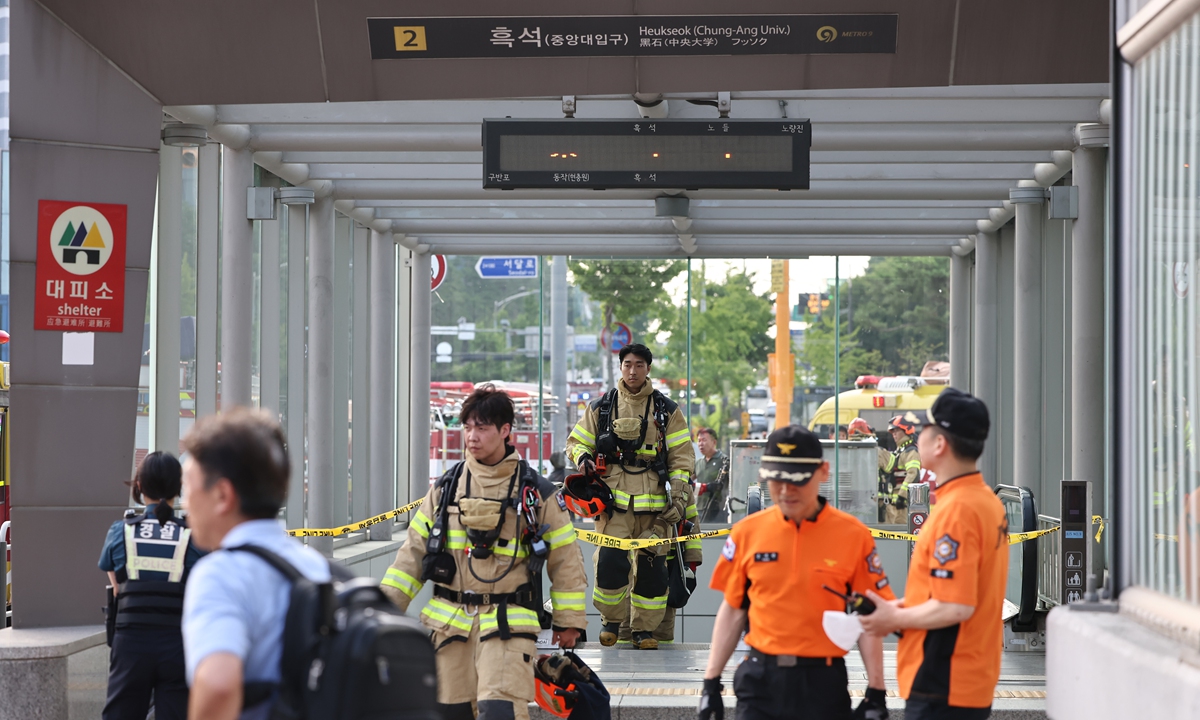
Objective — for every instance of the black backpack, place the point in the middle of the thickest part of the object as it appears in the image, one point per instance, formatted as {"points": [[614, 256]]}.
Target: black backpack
{"points": [[348, 652]]}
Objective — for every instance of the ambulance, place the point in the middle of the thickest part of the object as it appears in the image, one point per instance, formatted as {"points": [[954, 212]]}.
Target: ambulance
{"points": [[877, 400]]}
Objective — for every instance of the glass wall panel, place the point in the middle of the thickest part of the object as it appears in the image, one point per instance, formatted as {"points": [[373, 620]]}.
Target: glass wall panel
{"points": [[1162, 490]]}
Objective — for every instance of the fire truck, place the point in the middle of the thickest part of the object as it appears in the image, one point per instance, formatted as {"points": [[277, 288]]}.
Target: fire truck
{"points": [[446, 439]]}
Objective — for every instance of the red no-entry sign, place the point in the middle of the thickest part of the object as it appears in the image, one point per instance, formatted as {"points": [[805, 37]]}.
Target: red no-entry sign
{"points": [[437, 271]]}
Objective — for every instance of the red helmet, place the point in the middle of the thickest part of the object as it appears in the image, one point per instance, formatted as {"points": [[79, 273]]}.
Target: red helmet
{"points": [[858, 426], [586, 495], [899, 423]]}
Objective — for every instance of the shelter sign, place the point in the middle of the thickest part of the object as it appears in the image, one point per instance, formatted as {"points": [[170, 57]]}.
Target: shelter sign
{"points": [[630, 36], [80, 267]]}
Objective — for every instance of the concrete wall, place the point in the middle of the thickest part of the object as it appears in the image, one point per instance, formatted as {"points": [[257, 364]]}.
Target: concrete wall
{"points": [[81, 131]]}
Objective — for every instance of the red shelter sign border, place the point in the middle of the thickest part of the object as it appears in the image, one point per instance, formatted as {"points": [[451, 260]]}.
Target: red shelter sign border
{"points": [[80, 267]]}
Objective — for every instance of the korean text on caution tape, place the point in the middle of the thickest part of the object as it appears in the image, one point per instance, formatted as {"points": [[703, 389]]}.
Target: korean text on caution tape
{"points": [[1013, 538], [331, 532], [595, 538]]}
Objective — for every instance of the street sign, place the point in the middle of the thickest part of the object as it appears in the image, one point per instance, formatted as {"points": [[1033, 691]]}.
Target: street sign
{"points": [[496, 268], [616, 339], [437, 271]]}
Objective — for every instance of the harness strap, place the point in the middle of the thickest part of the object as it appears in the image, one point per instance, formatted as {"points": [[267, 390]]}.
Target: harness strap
{"points": [[521, 597]]}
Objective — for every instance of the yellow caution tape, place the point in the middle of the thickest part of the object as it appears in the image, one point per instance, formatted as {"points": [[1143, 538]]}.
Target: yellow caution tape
{"points": [[1013, 538], [602, 540], [1160, 536], [890, 535], [331, 532], [1097, 520]]}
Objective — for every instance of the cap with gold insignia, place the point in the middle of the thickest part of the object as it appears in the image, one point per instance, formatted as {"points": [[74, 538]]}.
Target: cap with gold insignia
{"points": [[792, 455], [956, 412]]}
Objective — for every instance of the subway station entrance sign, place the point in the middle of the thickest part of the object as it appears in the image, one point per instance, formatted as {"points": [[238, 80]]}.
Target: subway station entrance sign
{"points": [[80, 277], [630, 36]]}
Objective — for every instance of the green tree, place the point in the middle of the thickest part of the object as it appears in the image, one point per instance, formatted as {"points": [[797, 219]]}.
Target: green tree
{"points": [[625, 289], [894, 318]]}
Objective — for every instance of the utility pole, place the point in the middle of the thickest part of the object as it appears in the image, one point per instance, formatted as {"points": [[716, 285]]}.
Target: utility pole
{"points": [[784, 368]]}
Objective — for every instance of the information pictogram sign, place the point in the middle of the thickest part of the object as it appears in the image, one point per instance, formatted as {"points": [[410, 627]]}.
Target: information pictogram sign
{"points": [[80, 267]]}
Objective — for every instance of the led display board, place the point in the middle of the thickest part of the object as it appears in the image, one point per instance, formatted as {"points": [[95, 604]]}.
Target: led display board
{"points": [[628, 154]]}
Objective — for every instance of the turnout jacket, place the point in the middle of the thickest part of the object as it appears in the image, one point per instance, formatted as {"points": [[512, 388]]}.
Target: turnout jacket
{"points": [[564, 564], [635, 491]]}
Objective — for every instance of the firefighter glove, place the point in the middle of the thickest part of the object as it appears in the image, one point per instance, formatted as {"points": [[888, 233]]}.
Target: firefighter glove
{"points": [[711, 705], [873, 706], [586, 464]]}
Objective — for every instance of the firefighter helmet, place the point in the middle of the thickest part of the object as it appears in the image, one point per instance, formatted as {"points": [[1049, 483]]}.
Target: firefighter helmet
{"points": [[900, 423], [858, 426], [586, 494], [566, 687]]}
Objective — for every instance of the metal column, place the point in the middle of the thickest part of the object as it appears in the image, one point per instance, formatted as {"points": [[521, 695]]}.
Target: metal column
{"points": [[237, 277], [418, 430], [164, 357], [986, 375], [382, 380], [1087, 309], [297, 201], [403, 376], [558, 351], [270, 321], [343, 233], [320, 371], [960, 320], [1027, 341], [360, 398], [208, 212]]}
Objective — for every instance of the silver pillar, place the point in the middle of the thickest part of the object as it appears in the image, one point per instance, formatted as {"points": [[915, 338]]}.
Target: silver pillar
{"points": [[986, 375], [269, 324], [297, 201], [418, 473], [382, 380], [237, 277], [1027, 341], [1087, 310], [360, 397], [164, 357], [960, 320], [343, 233], [558, 351], [320, 371], [403, 376], [208, 213]]}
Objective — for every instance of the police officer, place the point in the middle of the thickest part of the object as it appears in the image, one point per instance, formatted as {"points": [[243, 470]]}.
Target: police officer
{"points": [[712, 475], [903, 467], [777, 568], [148, 556], [482, 536], [641, 440]]}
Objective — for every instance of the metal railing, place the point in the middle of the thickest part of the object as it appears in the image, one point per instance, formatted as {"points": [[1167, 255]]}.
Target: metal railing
{"points": [[1049, 588], [1023, 562]]}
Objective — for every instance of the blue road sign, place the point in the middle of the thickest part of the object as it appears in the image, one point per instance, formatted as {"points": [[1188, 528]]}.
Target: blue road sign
{"points": [[490, 268]]}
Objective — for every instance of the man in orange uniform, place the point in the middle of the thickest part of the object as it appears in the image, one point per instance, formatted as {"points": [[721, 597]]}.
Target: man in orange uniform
{"points": [[775, 568], [948, 661]]}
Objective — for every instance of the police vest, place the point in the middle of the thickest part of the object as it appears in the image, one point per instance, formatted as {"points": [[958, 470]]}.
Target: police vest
{"points": [[156, 572], [659, 409]]}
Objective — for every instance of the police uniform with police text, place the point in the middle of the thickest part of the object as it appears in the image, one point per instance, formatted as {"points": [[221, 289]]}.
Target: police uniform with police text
{"points": [[485, 621], [151, 561], [641, 506], [779, 570]]}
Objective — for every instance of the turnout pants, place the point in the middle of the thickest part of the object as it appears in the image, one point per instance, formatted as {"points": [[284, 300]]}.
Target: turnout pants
{"points": [[146, 660], [894, 515], [641, 575], [493, 677], [812, 689]]}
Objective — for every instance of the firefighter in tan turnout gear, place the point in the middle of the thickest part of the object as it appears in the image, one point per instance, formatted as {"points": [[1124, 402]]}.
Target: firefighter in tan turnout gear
{"points": [[482, 536], [638, 439], [903, 468]]}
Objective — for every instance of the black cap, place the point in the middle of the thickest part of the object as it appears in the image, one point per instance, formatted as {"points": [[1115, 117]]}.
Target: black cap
{"points": [[956, 412], [793, 454]]}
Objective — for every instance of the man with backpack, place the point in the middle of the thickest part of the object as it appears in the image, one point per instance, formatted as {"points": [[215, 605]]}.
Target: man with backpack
{"points": [[638, 440], [265, 617], [483, 535]]}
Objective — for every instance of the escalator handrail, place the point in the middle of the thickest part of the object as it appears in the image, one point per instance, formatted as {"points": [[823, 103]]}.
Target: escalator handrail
{"points": [[1029, 550]]}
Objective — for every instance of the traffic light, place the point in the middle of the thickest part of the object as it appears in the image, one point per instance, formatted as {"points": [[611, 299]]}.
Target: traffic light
{"points": [[816, 303]]}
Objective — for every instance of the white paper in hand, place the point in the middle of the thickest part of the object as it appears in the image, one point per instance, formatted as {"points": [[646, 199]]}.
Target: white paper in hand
{"points": [[842, 629]]}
